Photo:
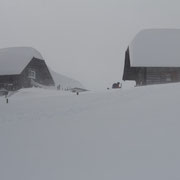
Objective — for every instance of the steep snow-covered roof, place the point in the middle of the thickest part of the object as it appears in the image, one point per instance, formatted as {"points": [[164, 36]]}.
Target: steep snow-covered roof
{"points": [[13, 60], [156, 48]]}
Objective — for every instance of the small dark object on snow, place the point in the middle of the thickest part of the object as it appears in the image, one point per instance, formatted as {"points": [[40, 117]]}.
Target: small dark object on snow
{"points": [[117, 85], [7, 100], [77, 93]]}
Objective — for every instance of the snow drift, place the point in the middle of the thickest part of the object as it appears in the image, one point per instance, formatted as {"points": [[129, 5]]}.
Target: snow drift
{"points": [[64, 81]]}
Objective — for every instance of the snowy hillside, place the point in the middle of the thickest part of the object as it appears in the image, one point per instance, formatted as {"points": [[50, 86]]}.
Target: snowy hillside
{"points": [[65, 82], [120, 134]]}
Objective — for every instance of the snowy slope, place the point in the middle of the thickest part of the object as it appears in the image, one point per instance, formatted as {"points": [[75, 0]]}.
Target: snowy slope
{"points": [[120, 134], [65, 82]]}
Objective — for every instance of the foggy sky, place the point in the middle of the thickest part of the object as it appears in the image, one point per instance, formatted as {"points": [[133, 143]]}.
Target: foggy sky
{"points": [[83, 39]]}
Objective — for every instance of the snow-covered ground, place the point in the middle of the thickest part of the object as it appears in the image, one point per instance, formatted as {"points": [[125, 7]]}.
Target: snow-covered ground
{"points": [[130, 134]]}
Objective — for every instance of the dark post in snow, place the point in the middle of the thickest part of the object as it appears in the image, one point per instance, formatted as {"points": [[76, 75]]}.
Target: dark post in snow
{"points": [[6, 96]]}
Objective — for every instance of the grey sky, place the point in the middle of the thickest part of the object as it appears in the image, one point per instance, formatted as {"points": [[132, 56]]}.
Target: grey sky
{"points": [[83, 39]]}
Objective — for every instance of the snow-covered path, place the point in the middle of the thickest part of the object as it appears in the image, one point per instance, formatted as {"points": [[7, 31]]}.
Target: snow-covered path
{"points": [[121, 134]]}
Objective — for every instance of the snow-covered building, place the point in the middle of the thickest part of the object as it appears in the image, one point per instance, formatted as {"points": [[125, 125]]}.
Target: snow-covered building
{"points": [[21, 67], [153, 57]]}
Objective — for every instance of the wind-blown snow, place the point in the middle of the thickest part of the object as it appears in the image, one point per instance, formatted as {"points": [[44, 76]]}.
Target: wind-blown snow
{"points": [[118, 134], [64, 81], [14, 60], [156, 48]]}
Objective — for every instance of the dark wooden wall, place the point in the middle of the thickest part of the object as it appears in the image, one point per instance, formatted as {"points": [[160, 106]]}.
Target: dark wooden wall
{"points": [[149, 75], [10, 82], [43, 76], [15, 82]]}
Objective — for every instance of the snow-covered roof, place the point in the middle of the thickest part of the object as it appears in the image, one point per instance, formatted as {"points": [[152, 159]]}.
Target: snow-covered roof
{"points": [[13, 60], [156, 48]]}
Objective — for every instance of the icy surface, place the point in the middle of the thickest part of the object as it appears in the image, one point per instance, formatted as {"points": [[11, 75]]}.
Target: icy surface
{"points": [[120, 134], [14, 60], [156, 48]]}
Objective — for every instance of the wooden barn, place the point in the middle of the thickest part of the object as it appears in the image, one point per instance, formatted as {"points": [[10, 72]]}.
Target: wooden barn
{"points": [[153, 57], [22, 67]]}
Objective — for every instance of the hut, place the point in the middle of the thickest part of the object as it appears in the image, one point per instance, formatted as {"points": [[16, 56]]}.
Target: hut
{"points": [[22, 67], [153, 57]]}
